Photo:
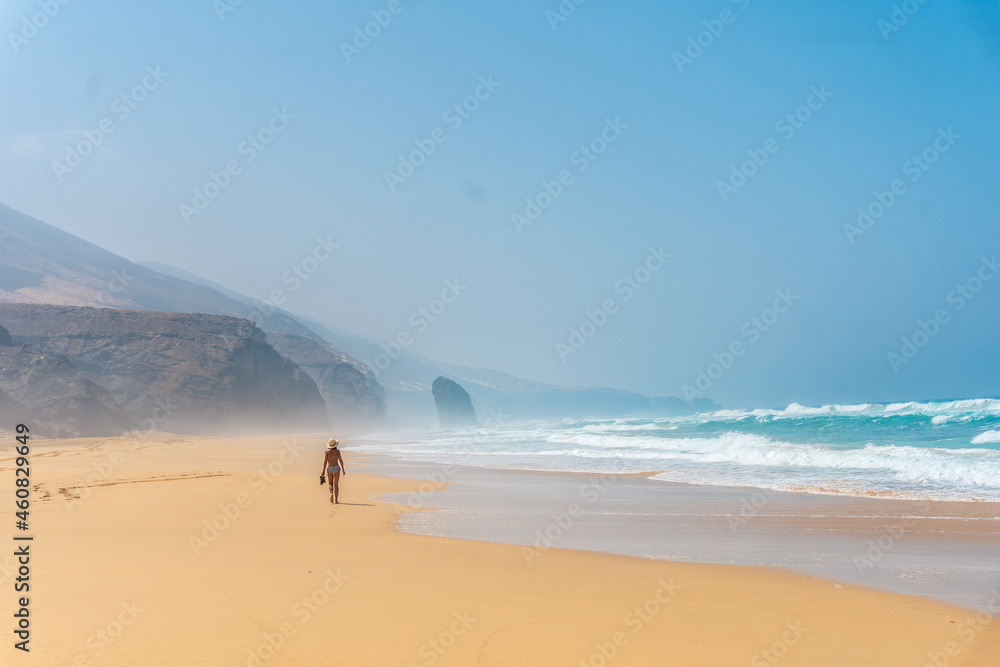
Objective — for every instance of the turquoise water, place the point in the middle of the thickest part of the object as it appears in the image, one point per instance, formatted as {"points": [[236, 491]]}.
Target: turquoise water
{"points": [[946, 450]]}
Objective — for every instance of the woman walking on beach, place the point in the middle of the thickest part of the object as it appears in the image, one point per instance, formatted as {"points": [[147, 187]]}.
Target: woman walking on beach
{"points": [[333, 465]]}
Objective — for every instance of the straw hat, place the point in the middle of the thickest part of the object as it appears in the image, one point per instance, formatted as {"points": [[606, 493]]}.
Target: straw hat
{"points": [[332, 443]]}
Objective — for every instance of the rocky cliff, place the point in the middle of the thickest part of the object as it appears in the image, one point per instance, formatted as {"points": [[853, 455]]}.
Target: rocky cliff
{"points": [[174, 372], [350, 390], [454, 405], [45, 391], [11, 414]]}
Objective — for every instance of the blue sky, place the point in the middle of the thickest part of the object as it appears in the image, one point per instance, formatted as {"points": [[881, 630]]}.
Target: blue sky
{"points": [[887, 97]]}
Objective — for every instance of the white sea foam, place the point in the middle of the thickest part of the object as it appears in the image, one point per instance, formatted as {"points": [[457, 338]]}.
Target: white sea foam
{"points": [[952, 418], [871, 449], [974, 467], [946, 410]]}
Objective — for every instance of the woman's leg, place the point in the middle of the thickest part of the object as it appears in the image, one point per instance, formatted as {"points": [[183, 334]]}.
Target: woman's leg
{"points": [[336, 487], [330, 482]]}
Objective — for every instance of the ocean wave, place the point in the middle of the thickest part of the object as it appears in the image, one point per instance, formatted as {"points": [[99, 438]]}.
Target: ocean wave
{"points": [[959, 418], [976, 467], [951, 453], [756, 456], [986, 438], [945, 410]]}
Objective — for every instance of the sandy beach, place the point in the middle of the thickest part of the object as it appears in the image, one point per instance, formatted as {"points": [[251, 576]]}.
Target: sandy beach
{"points": [[194, 551]]}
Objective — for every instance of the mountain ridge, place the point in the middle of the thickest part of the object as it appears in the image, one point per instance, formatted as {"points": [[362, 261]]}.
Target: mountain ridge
{"points": [[42, 264], [402, 389]]}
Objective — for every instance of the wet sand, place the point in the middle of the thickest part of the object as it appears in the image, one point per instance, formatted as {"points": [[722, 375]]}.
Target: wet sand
{"points": [[946, 550]]}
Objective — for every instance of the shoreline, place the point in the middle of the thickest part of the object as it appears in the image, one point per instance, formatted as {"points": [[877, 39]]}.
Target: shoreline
{"points": [[650, 475], [940, 549], [121, 579]]}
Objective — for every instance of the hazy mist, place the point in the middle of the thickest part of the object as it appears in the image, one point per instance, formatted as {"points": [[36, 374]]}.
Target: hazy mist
{"points": [[612, 120]]}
